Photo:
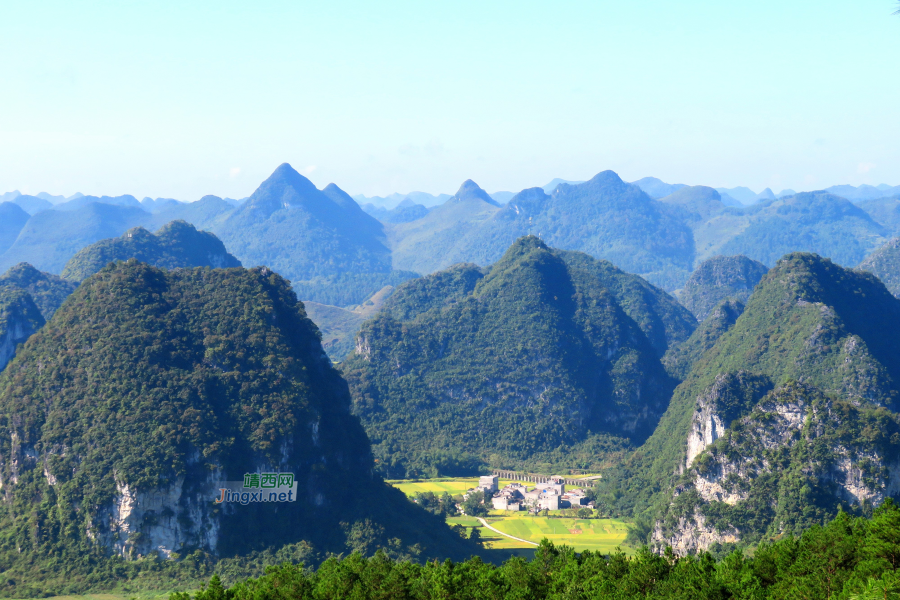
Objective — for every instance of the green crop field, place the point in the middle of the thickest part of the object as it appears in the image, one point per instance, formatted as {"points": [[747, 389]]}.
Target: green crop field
{"points": [[599, 535], [602, 535], [115, 596]]}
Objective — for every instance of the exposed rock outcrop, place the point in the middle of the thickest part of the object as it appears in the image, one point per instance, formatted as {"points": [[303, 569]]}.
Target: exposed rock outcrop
{"points": [[797, 454]]}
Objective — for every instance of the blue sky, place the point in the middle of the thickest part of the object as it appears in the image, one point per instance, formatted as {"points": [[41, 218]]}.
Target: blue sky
{"points": [[180, 99]]}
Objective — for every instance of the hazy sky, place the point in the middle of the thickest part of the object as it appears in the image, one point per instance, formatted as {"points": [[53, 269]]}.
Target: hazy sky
{"points": [[182, 99]]}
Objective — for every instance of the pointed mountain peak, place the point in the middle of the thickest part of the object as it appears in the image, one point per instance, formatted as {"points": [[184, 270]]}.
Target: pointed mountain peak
{"points": [[341, 198], [286, 175], [334, 192], [470, 190], [284, 170], [285, 188]]}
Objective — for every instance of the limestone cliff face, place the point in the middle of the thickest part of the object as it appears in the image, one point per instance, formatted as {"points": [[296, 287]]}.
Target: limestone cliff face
{"points": [[19, 319], [159, 521], [692, 534], [148, 390], [729, 395], [796, 446]]}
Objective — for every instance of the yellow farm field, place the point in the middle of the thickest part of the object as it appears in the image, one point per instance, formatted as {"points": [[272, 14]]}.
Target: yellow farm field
{"points": [[411, 487]]}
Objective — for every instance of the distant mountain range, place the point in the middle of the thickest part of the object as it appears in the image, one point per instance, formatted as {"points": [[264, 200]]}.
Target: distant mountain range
{"points": [[534, 332], [336, 253], [605, 217]]}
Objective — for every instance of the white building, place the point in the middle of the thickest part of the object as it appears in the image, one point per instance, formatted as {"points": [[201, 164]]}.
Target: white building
{"points": [[489, 483]]}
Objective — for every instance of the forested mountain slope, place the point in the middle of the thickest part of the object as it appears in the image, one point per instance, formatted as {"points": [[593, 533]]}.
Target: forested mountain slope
{"points": [[884, 263], [885, 211], [177, 244], [12, 220], [799, 393], [19, 318], [47, 290], [544, 351], [719, 278], [322, 241], [604, 217], [51, 237], [165, 385], [205, 214], [695, 203], [809, 222], [680, 359], [442, 237]]}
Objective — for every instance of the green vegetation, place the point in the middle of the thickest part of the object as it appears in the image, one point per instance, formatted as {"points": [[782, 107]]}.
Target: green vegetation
{"points": [[19, 318], [441, 485], [884, 263], [719, 278], [812, 222], [550, 357], [176, 245], [164, 383], [847, 558], [205, 214], [679, 360], [596, 535], [694, 203], [809, 320], [885, 211], [47, 290], [781, 477], [443, 237]]}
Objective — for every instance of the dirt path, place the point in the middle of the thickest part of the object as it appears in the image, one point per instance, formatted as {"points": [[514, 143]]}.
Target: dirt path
{"points": [[512, 537]]}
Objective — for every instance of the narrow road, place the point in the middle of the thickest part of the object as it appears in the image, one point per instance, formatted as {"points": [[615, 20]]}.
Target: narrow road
{"points": [[512, 537]]}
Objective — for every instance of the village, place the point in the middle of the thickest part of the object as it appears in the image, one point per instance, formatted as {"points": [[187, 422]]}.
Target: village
{"points": [[550, 495]]}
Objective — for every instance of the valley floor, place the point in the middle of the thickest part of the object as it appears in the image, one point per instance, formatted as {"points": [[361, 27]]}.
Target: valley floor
{"points": [[597, 535]]}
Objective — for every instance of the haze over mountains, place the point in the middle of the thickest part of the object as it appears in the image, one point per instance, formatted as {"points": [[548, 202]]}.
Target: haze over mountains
{"points": [[339, 254], [729, 369], [421, 233]]}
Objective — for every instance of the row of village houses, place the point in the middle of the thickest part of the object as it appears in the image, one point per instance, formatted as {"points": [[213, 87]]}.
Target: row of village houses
{"points": [[544, 496]]}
